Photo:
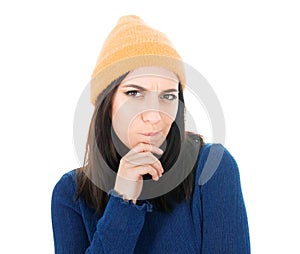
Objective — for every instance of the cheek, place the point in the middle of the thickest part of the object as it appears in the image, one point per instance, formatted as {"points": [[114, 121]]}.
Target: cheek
{"points": [[167, 123], [127, 129], [169, 111], [124, 120], [120, 124]]}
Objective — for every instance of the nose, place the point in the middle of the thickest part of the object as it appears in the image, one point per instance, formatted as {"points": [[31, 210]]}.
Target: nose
{"points": [[151, 116], [151, 113]]}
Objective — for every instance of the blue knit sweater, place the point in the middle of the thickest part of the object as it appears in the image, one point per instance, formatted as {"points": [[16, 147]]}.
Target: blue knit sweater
{"points": [[214, 221]]}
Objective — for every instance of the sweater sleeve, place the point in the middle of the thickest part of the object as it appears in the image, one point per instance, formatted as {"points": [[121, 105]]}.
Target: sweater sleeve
{"points": [[117, 231], [224, 218]]}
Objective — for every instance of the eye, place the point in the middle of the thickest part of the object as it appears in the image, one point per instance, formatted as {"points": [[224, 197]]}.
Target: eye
{"points": [[133, 93], [169, 97]]}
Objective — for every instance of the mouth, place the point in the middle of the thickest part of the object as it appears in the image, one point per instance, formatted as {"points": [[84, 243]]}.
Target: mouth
{"points": [[152, 134]]}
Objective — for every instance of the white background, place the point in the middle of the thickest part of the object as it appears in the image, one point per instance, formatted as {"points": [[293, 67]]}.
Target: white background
{"points": [[247, 50]]}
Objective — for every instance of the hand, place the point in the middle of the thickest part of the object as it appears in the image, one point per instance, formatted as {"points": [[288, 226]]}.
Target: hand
{"points": [[136, 163]]}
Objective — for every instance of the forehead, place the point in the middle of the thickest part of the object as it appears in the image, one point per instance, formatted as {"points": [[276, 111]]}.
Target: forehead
{"points": [[151, 75]]}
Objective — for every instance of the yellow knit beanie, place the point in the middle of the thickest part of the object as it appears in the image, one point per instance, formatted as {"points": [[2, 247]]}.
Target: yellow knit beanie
{"points": [[130, 45]]}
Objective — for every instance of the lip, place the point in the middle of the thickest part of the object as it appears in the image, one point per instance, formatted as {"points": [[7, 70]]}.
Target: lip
{"points": [[154, 137], [152, 134]]}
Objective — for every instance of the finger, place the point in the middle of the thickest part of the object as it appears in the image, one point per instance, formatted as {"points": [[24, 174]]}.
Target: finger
{"points": [[148, 170], [143, 147], [157, 165], [143, 159]]}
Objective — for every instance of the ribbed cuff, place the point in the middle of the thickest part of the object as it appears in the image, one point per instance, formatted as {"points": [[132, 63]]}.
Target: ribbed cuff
{"points": [[141, 204]]}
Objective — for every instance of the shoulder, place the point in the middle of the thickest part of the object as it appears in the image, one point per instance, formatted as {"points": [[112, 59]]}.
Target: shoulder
{"points": [[193, 138], [65, 187], [191, 146], [215, 162]]}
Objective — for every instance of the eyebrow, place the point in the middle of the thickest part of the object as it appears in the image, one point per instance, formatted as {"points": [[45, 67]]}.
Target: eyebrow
{"points": [[143, 89]]}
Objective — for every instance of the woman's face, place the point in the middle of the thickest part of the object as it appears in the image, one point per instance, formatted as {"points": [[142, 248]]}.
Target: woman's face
{"points": [[145, 106]]}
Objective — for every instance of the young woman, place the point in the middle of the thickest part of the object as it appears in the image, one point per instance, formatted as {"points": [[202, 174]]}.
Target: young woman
{"points": [[141, 188]]}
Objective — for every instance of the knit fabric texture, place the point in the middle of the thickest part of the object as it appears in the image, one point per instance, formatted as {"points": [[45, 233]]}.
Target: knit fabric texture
{"points": [[214, 222], [130, 45]]}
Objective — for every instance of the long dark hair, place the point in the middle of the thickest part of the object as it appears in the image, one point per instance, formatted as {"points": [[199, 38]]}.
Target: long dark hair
{"points": [[101, 156]]}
